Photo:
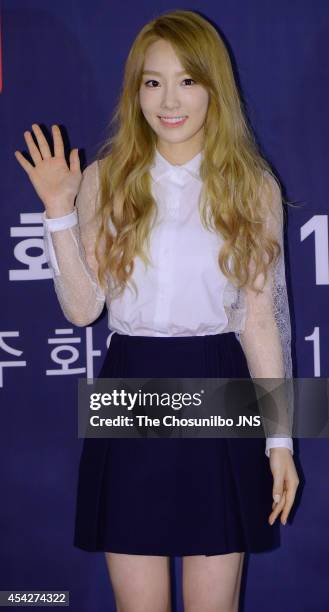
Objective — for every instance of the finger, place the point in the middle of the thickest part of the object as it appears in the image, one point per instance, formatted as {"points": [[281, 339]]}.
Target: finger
{"points": [[32, 147], [277, 487], [58, 142], [23, 162], [290, 498], [74, 160], [278, 508], [43, 144]]}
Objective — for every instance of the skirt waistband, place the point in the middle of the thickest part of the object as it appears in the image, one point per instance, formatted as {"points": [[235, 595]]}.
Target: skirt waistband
{"points": [[206, 337], [211, 355]]}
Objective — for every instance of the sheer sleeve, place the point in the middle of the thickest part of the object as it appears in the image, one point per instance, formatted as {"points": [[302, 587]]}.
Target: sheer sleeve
{"points": [[69, 246], [266, 338]]}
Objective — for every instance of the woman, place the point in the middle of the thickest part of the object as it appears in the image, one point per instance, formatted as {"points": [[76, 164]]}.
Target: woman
{"points": [[178, 228]]}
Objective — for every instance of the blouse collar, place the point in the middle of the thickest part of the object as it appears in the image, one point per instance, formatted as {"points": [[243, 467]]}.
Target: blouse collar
{"points": [[178, 173]]}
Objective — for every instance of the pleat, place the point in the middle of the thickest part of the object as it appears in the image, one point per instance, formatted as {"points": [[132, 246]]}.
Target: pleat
{"points": [[175, 497]]}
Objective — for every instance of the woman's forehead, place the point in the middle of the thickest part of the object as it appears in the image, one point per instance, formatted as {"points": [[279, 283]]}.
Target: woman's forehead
{"points": [[159, 54]]}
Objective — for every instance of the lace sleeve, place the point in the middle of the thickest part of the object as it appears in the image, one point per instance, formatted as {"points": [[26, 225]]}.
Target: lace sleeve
{"points": [[266, 338], [69, 247]]}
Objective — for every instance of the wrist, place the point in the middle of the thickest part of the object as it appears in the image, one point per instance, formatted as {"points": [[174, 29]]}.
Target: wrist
{"points": [[279, 449], [54, 214], [59, 207]]}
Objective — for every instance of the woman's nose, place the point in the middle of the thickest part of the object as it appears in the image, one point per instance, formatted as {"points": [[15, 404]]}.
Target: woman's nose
{"points": [[170, 98]]}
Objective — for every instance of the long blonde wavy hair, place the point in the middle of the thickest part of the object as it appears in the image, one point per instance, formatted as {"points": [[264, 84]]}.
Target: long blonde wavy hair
{"points": [[232, 169]]}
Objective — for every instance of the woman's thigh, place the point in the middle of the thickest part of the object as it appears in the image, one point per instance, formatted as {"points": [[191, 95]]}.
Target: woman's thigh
{"points": [[141, 583], [212, 584]]}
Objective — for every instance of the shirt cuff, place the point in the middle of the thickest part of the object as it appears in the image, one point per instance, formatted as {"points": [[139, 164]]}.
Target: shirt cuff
{"points": [[59, 223], [278, 442], [54, 225]]}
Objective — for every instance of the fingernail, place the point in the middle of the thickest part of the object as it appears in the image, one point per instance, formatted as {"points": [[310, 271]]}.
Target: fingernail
{"points": [[276, 498]]}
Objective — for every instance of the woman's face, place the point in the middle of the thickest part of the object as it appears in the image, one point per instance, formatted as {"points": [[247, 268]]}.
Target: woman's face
{"points": [[172, 103]]}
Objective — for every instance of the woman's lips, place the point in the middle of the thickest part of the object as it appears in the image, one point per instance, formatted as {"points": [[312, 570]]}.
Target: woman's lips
{"points": [[173, 124]]}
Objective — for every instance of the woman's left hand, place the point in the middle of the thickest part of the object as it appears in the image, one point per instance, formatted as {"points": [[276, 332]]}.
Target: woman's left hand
{"points": [[285, 482]]}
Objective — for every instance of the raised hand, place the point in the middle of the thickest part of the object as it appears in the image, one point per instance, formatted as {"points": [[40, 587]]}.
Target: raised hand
{"points": [[55, 183]]}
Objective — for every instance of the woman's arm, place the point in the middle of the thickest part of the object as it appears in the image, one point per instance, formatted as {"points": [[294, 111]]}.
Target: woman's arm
{"points": [[69, 245], [266, 338]]}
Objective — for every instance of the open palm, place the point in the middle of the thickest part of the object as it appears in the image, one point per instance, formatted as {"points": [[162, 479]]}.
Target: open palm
{"points": [[55, 183]]}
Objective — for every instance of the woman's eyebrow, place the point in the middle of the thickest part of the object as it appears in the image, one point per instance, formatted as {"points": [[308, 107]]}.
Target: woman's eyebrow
{"points": [[159, 73]]}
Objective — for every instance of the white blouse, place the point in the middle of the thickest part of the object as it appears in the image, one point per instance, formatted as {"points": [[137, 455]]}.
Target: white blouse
{"points": [[183, 292]]}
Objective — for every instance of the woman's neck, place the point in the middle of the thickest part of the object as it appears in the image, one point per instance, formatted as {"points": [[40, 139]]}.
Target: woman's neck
{"points": [[178, 153]]}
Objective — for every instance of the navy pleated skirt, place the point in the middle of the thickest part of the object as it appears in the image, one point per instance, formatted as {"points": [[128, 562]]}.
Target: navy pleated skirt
{"points": [[182, 496]]}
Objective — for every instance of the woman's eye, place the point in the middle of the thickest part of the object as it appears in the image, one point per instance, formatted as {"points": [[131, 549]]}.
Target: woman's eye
{"points": [[151, 81], [147, 83]]}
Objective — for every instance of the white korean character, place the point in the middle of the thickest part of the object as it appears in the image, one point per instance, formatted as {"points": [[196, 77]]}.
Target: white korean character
{"points": [[31, 235], [65, 342], [11, 351]]}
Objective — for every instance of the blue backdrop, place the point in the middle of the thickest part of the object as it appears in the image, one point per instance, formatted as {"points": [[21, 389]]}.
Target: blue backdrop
{"points": [[62, 62]]}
